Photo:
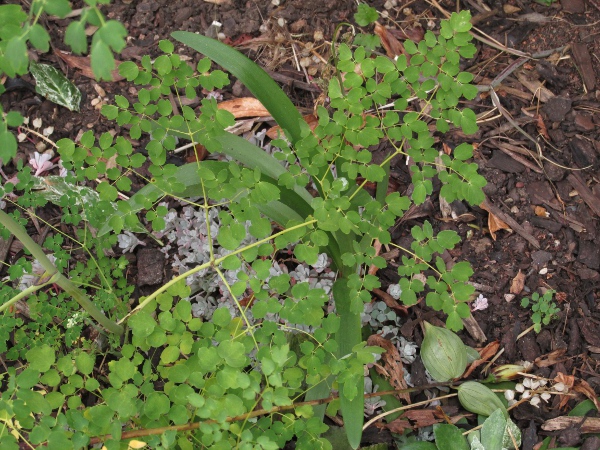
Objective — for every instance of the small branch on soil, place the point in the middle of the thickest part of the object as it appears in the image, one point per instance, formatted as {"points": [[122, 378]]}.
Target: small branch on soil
{"points": [[512, 223]]}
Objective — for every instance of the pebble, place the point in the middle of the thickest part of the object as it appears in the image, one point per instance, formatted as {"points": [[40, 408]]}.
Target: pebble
{"points": [[557, 108]]}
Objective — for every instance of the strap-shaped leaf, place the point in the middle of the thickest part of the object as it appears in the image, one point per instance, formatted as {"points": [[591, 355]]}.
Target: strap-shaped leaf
{"points": [[349, 335], [252, 76], [289, 207]]}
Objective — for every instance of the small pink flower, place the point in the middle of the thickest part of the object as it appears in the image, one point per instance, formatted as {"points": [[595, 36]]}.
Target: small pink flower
{"points": [[480, 303], [41, 163]]}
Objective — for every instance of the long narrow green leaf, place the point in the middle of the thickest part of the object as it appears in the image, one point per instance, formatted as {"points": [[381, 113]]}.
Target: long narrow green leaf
{"points": [[252, 76], [290, 206], [349, 335], [254, 157]]}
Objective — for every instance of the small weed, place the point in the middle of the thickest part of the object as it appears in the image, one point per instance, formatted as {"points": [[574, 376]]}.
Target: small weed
{"points": [[543, 307]]}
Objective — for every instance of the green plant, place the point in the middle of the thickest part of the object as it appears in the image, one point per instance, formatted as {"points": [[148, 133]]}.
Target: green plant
{"points": [[239, 380], [496, 432], [20, 28], [543, 307]]}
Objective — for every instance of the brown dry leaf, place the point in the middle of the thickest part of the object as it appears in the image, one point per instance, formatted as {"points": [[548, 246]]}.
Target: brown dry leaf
{"points": [[555, 356], [393, 47], [569, 382], [494, 223], [391, 302], [518, 283], [310, 119], [510, 9], [218, 2], [584, 388], [393, 369], [83, 63], [415, 34], [446, 148], [541, 126], [244, 107], [377, 245], [485, 353], [540, 211], [489, 350], [111, 162], [199, 154], [398, 426], [424, 417]]}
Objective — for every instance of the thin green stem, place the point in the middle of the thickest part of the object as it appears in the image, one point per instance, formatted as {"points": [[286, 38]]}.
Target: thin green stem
{"points": [[36, 251], [27, 292], [107, 286], [211, 263]]}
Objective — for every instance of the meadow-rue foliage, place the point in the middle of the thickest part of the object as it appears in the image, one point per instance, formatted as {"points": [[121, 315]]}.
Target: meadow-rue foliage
{"points": [[271, 284]]}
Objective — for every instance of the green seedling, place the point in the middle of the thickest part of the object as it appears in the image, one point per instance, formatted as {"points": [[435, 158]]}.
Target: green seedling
{"points": [[543, 307]]}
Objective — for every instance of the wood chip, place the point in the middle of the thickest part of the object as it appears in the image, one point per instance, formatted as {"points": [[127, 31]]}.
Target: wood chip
{"points": [[584, 63], [583, 424], [584, 192], [473, 328]]}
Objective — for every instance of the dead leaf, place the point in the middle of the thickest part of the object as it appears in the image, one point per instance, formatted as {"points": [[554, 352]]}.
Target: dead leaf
{"points": [[415, 34], [518, 283], [569, 382], [398, 426], [485, 354], [310, 119], [83, 63], [541, 126], [510, 9], [394, 369], [244, 107], [218, 2], [199, 154], [494, 223], [446, 148], [393, 47], [551, 358], [584, 388], [391, 302], [377, 245], [425, 417]]}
